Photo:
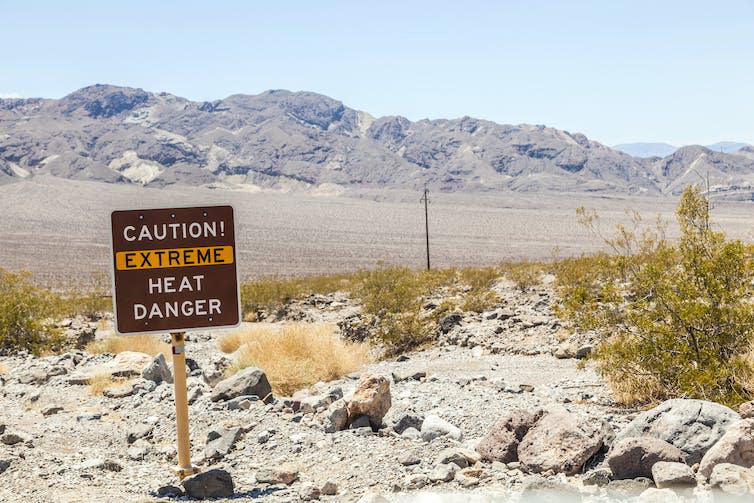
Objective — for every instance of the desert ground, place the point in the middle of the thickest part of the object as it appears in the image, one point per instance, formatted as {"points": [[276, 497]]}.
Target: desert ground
{"points": [[59, 229]]}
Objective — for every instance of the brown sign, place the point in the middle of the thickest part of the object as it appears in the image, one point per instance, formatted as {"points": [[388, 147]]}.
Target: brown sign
{"points": [[174, 269]]}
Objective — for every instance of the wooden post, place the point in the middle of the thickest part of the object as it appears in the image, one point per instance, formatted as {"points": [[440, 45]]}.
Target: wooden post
{"points": [[181, 406], [426, 221]]}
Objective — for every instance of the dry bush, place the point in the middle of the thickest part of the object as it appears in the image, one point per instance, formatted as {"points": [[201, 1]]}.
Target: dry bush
{"points": [[149, 344], [99, 383], [297, 355], [229, 343]]}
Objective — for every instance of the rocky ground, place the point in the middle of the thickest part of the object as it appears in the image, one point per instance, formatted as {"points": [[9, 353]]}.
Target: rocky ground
{"points": [[496, 410]]}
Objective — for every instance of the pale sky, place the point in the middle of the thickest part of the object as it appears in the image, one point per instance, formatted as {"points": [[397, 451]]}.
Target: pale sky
{"points": [[680, 72]]}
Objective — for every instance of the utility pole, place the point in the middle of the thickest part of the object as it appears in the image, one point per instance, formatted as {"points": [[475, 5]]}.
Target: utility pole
{"points": [[425, 200]]}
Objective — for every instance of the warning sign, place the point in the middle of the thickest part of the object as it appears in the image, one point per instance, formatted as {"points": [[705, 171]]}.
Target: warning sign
{"points": [[174, 269]]}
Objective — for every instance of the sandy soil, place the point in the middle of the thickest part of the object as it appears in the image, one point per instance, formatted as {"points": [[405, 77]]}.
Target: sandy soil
{"points": [[59, 229]]}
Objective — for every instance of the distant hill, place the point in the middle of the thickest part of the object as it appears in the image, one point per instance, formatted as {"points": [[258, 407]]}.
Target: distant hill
{"points": [[646, 149], [305, 141], [665, 149]]}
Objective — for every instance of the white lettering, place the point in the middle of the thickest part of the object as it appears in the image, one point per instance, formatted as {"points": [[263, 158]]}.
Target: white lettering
{"points": [[214, 306], [140, 311], [125, 233], [155, 284]]}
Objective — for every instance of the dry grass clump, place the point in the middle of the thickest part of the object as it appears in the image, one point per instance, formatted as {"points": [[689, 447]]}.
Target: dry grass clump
{"points": [[115, 344], [297, 355], [99, 383]]}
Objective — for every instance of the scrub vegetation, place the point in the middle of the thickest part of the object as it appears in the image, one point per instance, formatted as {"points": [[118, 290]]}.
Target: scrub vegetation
{"points": [[114, 344], [676, 319], [295, 356]]}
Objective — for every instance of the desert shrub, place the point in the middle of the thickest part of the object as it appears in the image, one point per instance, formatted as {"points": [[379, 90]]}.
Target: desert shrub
{"points": [[677, 319], [297, 356], [524, 274], [478, 295], [149, 344], [26, 315], [270, 294]]}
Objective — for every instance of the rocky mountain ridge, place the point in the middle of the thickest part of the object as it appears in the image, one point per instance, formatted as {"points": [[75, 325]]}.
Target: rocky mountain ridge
{"points": [[305, 141]]}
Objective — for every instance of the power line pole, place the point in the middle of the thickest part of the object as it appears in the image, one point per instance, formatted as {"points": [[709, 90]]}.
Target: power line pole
{"points": [[425, 200]]}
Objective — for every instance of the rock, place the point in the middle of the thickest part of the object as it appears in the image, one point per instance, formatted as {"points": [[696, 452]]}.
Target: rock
{"points": [[12, 439], [157, 370], [408, 376], [736, 447], [565, 350], [690, 425], [137, 453], [210, 484], [448, 322], [746, 410], [624, 489], [241, 402], [361, 422], [549, 491], [501, 442], [732, 479], [372, 498], [415, 481], [51, 410], [169, 492], [263, 436], [599, 477], [220, 441], [286, 473], [329, 488], [140, 431], [409, 459], [443, 473], [653, 495], [309, 492], [670, 474], [458, 456], [336, 417], [560, 441], [411, 434], [249, 381], [630, 458], [408, 420], [125, 364], [434, 427], [120, 390], [5, 464], [371, 398], [467, 477], [101, 464]]}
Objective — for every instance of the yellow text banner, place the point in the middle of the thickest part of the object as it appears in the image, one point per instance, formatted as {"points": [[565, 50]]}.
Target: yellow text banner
{"points": [[173, 257]]}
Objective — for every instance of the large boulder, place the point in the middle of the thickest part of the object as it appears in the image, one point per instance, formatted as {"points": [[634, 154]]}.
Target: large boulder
{"points": [[693, 426], [561, 441], [501, 442], [249, 381], [158, 370], [125, 364], [634, 457], [736, 447], [667, 474], [732, 479], [371, 399]]}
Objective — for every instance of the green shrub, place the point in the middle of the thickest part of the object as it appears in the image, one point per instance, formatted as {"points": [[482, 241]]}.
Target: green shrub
{"points": [[677, 320], [27, 313], [523, 274]]}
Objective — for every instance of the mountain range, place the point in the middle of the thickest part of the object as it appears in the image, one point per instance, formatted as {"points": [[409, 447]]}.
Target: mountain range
{"points": [[286, 140]]}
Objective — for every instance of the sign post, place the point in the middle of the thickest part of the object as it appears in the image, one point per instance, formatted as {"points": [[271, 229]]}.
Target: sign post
{"points": [[174, 269]]}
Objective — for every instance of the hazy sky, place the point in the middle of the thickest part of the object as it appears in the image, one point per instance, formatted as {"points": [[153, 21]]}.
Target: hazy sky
{"points": [[680, 72]]}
